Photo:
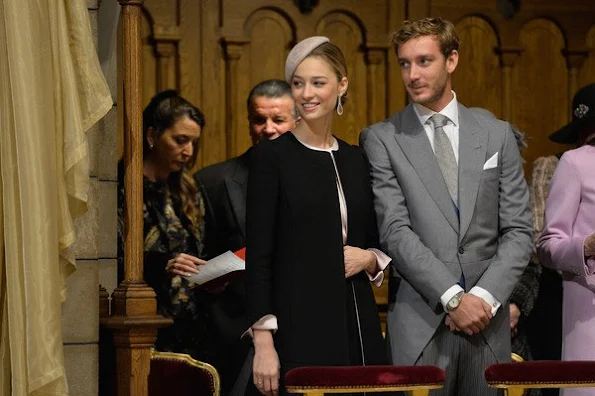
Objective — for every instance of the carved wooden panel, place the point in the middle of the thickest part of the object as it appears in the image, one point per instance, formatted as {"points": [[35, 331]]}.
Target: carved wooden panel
{"points": [[524, 67], [478, 77], [344, 31], [540, 86]]}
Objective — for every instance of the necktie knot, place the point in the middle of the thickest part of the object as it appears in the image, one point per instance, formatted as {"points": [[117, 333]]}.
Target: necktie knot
{"points": [[438, 120]]}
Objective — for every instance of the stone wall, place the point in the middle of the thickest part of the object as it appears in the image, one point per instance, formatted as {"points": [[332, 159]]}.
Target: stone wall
{"points": [[96, 247]]}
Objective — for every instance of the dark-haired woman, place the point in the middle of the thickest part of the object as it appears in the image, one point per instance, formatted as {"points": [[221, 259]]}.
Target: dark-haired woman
{"points": [[173, 214]]}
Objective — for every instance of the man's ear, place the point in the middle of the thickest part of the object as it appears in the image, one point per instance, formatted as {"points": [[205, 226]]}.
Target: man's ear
{"points": [[452, 61]]}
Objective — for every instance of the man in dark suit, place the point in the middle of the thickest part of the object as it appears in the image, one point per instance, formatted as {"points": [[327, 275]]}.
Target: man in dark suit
{"points": [[271, 112], [453, 213]]}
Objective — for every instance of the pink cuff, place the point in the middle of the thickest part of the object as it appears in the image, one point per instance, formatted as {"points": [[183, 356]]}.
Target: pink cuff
{"points": [[382, 261], [267, 322]]}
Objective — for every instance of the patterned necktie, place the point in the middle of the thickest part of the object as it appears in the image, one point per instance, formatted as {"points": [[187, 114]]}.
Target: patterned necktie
{"points": [[445, 156]]}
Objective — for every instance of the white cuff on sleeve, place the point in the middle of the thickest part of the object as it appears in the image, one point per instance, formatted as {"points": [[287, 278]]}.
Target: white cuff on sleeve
{"points": [[487, 297], [267, 322], [450, 293]]}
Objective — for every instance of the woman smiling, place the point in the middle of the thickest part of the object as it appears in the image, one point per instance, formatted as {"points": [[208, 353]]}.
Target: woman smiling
{"points": [[310, 229]]}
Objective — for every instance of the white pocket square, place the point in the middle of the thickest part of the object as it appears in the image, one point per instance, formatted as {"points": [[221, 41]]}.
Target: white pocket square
{"points": [[492, 162]]}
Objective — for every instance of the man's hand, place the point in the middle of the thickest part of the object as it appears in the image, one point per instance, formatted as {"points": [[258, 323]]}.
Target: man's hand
{"points": [[471, 316], [590, 246]]}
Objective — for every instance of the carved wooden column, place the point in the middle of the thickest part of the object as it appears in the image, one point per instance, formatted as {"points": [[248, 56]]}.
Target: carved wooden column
{"points": [[166, 39], [133, 320], [233, 49], [508, 55], [574, 60], [375, 56]]}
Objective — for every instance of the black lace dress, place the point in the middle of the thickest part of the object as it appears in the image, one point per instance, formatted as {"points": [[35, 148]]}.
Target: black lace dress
{"points": [[167, 233]]}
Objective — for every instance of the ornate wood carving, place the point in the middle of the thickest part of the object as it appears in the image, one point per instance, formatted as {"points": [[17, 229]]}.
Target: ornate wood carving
{"points": [[306, 6], [166, 40], [508, 55], [233, 50]]}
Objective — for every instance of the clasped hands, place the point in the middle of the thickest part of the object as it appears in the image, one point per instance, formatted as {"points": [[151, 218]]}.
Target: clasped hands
{"points": [[471, 316]]}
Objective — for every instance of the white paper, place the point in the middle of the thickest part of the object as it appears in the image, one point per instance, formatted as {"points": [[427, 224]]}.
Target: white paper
{"points": [[218, 266]]}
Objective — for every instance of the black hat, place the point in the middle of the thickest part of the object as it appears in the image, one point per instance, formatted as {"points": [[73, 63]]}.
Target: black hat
{"points": [[583, 114]]}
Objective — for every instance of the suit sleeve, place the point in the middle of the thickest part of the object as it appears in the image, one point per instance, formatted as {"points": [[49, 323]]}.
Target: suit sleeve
{"points": [[411, 258], [261, 222], [515, 229], [558, 248]]}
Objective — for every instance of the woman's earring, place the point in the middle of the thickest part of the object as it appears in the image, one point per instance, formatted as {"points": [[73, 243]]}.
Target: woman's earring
{"points": [[150, 146], [339, 106]]}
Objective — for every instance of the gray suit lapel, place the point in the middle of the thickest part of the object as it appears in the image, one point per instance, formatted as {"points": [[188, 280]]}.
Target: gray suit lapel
{"points": [[472, 152], [415, 144], [236, 192]]}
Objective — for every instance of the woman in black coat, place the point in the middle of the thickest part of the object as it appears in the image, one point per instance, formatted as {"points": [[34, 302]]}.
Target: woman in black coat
{"points": [[310, 222]]}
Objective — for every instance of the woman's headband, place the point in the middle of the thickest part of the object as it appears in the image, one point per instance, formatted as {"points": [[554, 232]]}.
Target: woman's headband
{"points": [[300, 52]]}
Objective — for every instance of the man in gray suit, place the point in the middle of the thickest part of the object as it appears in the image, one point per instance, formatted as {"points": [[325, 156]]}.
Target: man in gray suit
{"points": [[453, 212]]}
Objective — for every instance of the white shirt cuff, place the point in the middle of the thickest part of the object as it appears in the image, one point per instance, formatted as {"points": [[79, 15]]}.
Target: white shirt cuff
{"points": [[487, 297], [267, 322], [450, 293], [382, 261]]}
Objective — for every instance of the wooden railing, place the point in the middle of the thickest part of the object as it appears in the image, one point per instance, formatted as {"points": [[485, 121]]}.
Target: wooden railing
{"points": [[133, 317]]}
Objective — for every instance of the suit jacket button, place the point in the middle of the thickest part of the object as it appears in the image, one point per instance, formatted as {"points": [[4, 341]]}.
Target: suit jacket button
{"points": [[461, 250]]}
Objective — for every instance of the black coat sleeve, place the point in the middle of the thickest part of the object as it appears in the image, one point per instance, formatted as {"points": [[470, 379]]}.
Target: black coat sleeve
{"points": [[261, 222]]}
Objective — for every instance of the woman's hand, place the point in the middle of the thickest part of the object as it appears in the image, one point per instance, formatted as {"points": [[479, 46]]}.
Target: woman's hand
{"points": [[515, 314], [266, 367], [357, 260], [590, 246], [184, 264]]}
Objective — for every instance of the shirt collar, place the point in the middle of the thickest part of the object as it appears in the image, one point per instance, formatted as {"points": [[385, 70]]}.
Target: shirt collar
{"points": [[451, 111]]}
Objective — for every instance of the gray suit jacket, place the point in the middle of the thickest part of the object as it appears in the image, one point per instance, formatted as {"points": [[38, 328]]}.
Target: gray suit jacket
{"points": [[489, 240]]}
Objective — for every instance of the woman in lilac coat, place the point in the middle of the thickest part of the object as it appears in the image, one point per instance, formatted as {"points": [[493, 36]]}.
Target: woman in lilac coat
{"points": [[567, 243]]}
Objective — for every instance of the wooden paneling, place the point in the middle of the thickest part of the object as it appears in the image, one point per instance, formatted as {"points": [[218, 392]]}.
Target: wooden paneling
{"points": [[478, 77], [524, 68], [235, 44], [540, 86]]}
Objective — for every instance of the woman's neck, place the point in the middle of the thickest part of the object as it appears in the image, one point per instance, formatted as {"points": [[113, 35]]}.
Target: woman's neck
{"points": [[316, 133], [152, 171]]}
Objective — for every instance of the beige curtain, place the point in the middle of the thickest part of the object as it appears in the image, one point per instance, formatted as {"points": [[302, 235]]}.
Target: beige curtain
{"points": [[51, 92]]}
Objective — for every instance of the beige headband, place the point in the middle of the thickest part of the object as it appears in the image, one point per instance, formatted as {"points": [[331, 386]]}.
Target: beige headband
{"points": [[300, 52]]}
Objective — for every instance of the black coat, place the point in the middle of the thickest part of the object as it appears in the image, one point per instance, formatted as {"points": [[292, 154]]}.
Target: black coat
{"points": [[294, 261], [223, 186]]}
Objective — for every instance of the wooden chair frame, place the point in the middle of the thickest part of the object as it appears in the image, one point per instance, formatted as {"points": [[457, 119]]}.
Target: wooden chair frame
{"points": [[184, 358]]}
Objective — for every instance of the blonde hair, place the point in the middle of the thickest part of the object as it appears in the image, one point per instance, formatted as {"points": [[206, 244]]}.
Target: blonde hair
{"points": [[335, 58]]}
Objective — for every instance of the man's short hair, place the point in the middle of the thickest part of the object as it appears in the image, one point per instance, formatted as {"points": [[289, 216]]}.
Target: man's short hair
{"points": [[443, 30], [274, 88]]}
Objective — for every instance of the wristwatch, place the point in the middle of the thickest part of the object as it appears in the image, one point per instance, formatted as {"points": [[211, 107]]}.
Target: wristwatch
{"points": [[454, 302]]}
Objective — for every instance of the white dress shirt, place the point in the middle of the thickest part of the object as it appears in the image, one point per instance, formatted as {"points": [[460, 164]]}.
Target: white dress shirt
{"points": [[451, 129]]}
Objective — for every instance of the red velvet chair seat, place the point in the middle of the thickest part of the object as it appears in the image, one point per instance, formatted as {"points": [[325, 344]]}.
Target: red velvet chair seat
{"points": [[180, 375], [363, 377], [548, 372]]}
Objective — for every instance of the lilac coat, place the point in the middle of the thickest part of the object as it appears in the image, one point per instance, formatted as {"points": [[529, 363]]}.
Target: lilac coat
{"points": [[569, 219]]}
